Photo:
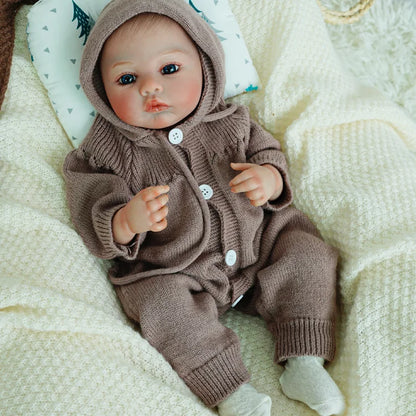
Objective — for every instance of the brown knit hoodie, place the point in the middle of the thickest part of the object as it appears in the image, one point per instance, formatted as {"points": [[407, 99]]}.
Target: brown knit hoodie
{"points": [[216, 245], [131, 158]]}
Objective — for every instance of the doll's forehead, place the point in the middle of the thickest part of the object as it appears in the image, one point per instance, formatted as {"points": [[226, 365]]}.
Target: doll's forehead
{"points": [[164, 35], [145, 22]]}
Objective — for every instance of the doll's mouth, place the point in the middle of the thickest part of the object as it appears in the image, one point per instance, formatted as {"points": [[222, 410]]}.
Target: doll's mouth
{"points": [[155, 106]]}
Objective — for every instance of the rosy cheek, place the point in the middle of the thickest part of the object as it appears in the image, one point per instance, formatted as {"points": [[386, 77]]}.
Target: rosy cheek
{"points": [[191, 94], [121, 107], [195, 92]]}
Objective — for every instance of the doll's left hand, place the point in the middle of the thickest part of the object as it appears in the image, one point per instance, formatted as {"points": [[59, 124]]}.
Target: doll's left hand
{"points": [[260, 183]]}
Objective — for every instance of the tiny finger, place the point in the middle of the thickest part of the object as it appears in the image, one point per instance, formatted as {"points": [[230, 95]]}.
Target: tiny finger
{"points": [[157, 203], [241, 166], [241, 177], [153, 192], [159, 215], [256, 194], [246, 186], [159, 226], [258, 202]]}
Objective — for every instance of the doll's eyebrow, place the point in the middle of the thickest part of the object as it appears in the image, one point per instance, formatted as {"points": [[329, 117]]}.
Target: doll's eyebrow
{"points": [[174, 50], [120, 63], [162, 53]]}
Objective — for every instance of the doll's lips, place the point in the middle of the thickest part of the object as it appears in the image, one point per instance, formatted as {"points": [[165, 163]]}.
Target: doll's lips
{"points": [[155, 106]]}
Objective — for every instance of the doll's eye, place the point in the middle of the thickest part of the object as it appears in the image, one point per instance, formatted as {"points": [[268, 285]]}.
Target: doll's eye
{"points": [[169, 69], [127, 79]]}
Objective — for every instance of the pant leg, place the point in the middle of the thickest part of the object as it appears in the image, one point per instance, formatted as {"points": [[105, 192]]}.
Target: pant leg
{"points": [[181, 321], [295, 289]]}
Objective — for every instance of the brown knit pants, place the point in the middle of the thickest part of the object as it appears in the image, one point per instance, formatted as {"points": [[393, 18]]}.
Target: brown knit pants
{"points": [[292, 288]]}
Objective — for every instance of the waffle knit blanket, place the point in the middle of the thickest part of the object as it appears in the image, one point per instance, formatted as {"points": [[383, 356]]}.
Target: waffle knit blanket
{"points": [[66, 347]]}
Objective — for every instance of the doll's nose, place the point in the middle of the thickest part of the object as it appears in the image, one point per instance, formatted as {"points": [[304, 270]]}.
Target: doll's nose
{"points": [[149, 86]]}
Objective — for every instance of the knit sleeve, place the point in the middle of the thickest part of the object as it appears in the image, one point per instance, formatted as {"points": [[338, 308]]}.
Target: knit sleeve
{"points": [[263, 148], [94, 196]]}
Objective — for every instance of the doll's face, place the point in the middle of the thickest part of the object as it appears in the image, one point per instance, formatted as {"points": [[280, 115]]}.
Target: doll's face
{"points": [[152, 73]]}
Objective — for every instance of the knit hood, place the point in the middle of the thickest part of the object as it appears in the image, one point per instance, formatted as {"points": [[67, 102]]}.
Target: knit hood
{"points": [[117, 12]]}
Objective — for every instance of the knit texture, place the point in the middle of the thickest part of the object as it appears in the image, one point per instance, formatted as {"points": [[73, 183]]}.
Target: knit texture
{"points": [[66, 346]]}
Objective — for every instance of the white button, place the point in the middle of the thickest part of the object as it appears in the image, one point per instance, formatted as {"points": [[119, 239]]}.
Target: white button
{"points": [[207, 191], [230, 257], [175, 136]]}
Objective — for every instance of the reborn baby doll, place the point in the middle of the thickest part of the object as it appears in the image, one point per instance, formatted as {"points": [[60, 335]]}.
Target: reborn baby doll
{"points": [[164, 138]]}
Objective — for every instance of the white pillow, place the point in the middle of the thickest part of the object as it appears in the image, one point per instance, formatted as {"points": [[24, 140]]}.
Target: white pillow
{"points": [[58, 29]]}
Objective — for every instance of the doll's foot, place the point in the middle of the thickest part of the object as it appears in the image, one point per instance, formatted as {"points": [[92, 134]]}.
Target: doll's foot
{"points": [[246, 401], [305, 379]]}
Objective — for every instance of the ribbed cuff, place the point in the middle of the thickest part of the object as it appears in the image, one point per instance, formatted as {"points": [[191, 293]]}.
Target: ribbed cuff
{"points": [[104, 229], [304, 337], [219, 377]]}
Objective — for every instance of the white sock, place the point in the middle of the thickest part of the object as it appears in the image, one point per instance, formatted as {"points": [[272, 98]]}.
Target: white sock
{"points": [[305, 379], [246, 401]]}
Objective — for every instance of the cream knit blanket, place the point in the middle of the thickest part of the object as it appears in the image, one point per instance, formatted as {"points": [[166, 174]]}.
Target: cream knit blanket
{"points": [[66, 347]]}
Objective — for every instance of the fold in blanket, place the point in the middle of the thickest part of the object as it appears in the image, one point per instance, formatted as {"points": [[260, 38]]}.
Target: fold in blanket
{"points": [[8, 10]]}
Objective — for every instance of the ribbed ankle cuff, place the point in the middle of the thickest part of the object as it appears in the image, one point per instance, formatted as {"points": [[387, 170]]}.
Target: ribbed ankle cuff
{"points": [[304, 337], [219, 377]]}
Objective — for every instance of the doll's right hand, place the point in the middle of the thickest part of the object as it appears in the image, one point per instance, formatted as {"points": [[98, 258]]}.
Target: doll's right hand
{"points": [[146, 211]]}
